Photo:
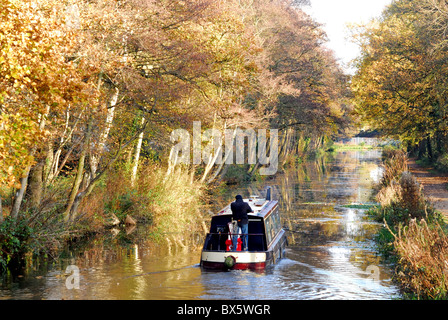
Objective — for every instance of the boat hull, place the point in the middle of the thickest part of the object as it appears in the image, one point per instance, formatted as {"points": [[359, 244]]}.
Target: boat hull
{"points": [[245, 260], [242, 260]]}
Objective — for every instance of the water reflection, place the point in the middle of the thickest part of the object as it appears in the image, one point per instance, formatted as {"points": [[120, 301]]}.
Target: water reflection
{"points": [[331, 253]]}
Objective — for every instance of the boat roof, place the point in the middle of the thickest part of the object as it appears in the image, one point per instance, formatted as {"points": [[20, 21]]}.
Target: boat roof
{"points": [[260, 207]]}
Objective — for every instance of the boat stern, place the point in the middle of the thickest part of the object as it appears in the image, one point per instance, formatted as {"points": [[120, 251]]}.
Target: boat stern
{"points": [[231, 260]]}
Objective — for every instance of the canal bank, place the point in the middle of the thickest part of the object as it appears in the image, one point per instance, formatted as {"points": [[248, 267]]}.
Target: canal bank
{"points": [[414, 235]]}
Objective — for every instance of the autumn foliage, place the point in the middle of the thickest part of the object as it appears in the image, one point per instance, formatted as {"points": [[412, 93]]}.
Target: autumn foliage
{"points": [[400, 85], [91, 90]]}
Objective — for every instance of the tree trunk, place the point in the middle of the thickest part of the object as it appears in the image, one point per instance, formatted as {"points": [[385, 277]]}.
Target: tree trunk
{"points": [[36, 185], [95, 158], [58, 167], [137, 155], [211, 161], [287, 146], [439, 142], [24, 181], [430, 153], [64, 139], [282, 143], [19, 195], [421, 149], [1, 210], [49, 160], [92, 182], [79, 175], [229, 143]]}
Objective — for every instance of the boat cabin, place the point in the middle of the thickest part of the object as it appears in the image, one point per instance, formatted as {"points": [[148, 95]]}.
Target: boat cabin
{"points": [[266, 238], [264, 225]]}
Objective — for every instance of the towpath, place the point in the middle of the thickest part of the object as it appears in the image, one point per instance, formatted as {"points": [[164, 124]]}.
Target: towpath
{"points": [[435, 185]]}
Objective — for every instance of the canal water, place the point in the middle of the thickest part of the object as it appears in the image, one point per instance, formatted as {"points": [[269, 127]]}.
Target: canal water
{"points": [[331, 252]]}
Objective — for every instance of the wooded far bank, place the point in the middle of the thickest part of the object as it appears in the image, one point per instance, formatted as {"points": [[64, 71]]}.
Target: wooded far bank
{"points": [[91, 90]]}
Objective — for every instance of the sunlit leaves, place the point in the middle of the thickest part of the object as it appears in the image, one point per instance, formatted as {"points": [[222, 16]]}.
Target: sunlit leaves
{"points": [[35, 79], [172, 62], [311, 83], [399, 85], [17, 136]]}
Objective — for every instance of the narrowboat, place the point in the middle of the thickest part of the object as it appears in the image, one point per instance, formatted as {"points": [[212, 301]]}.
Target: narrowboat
{"points": [[266, 238]]}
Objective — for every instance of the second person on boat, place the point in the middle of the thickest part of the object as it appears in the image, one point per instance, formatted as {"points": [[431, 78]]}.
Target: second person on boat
{"points": [[240, 209]]}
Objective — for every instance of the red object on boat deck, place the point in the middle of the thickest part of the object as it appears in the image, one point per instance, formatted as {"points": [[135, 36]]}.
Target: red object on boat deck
{"points": [[229, 244], [239, 244]]}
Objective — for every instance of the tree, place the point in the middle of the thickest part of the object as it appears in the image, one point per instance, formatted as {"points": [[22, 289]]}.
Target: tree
{"points": [[36, 83], [94, 86], [401, 80], [312, 93]]}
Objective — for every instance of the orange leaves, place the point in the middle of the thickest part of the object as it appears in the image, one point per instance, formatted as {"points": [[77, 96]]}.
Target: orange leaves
{"points": [[35, 79], [305, 74], [176, 60]]}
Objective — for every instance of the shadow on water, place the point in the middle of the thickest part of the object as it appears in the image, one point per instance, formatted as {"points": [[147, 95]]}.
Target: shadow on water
{"points": [[331, 253]]}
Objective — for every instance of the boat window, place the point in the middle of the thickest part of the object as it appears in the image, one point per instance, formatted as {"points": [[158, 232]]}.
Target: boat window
{"points": [[276, 219], [256, 238], [273, 231], [268, 230], [274, 224]]}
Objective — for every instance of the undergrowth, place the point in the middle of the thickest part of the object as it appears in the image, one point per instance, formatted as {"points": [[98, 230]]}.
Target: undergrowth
{"points": [[169, 206], [414, 234]]}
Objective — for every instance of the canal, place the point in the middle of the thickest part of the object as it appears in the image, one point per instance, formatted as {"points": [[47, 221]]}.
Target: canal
{"points": [[331, 252]]}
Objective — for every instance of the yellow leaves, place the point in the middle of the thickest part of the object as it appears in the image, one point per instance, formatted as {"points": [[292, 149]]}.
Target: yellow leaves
{"points": [[18, 134], [397, 74], [33, 75]]}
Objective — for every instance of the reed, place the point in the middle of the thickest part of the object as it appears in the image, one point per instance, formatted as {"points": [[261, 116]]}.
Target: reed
{"points": [[422, 268], [167, 204], [175, 200], [403, 200], [395, 163]]}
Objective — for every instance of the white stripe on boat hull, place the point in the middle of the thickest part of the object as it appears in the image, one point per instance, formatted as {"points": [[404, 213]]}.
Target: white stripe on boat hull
{"points": [[240, 257]]}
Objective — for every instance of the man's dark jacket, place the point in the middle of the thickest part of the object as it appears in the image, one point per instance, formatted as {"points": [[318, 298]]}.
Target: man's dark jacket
{"points": [[240, 209]]}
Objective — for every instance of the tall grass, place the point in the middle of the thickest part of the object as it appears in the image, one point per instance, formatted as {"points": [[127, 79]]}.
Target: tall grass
{"points": [[422, 268], [170, 207], [176, 202], [395, 163], [400, 195], [170, 204]]}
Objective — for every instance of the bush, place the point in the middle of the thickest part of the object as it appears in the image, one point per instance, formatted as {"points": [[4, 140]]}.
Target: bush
{"points": [[385, 241], [236, 174], [389, 151], [403, 200], [395, 163], [15, 239], [442, 163]]}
